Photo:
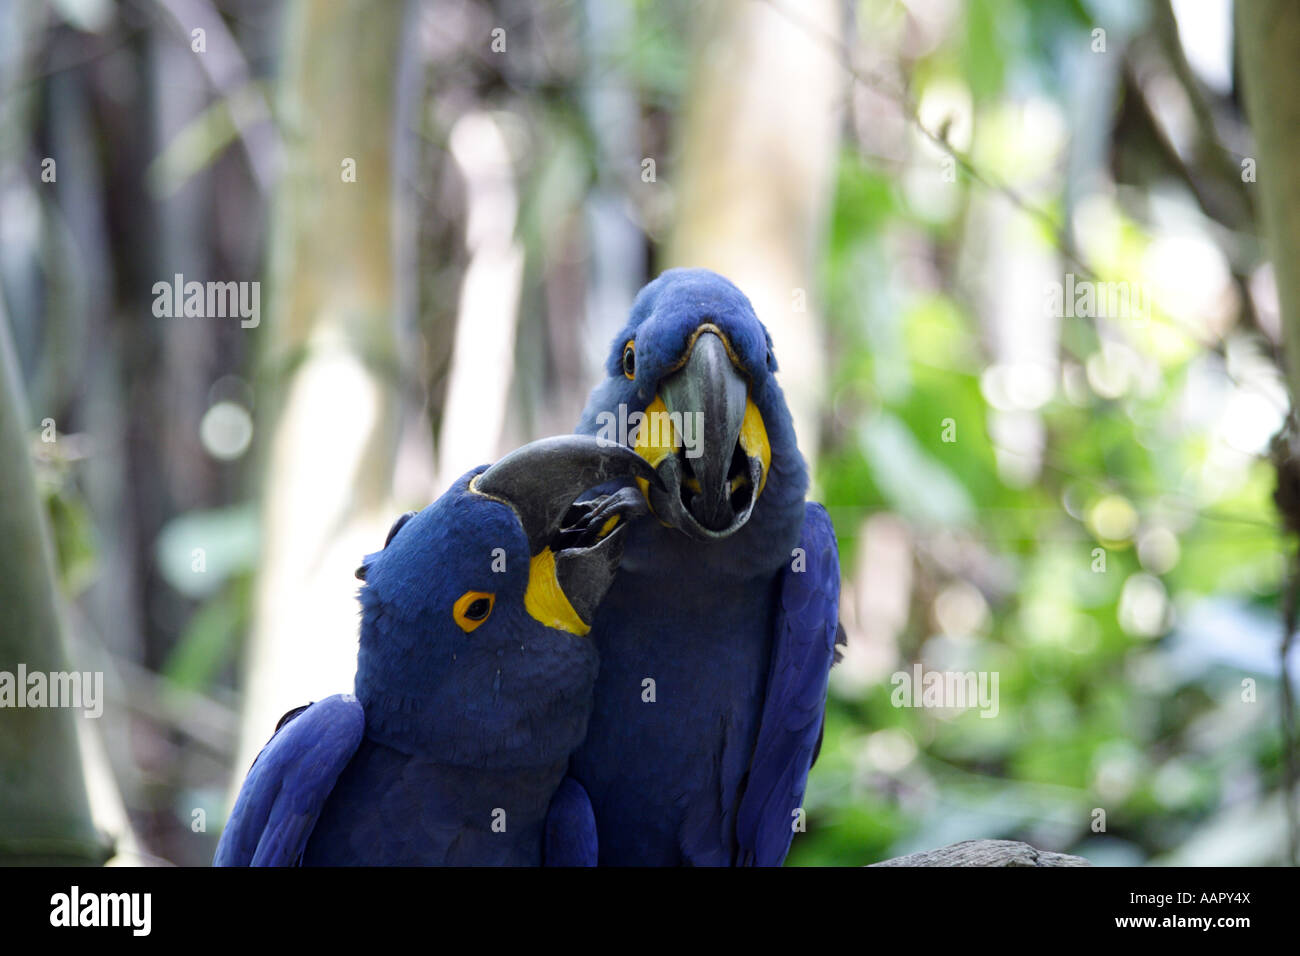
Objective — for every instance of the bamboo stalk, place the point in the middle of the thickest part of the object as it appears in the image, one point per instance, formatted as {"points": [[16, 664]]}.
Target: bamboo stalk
{"points": [[45, 816]]}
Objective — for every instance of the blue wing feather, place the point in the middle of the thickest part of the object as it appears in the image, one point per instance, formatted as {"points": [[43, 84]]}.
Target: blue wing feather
{"points": [[288, 784], [570, 827], [803, 651]]}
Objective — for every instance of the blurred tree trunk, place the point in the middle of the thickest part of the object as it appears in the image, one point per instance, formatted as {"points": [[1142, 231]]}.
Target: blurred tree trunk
{"points": [[474, 419], [617, 248], [758, 143], [330, 352], [1268, 38], [1268, 45], [45, 814]]}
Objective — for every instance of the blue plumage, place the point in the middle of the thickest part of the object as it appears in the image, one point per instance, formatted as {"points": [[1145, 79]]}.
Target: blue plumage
{"points": [[734, 622], [570, 827], [473, 685], [790, 730], [282, 797]]}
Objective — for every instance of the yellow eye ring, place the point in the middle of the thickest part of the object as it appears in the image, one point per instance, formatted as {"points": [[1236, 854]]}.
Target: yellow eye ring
{"points": [[472, 608], [629, 360]]}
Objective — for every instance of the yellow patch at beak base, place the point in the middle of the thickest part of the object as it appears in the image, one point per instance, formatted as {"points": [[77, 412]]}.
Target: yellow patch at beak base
{"points": [[546, 601], [655, 443], [753, 441]]}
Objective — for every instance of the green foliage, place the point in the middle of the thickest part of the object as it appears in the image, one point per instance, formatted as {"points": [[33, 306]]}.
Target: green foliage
{"points": [[1122, 594]]}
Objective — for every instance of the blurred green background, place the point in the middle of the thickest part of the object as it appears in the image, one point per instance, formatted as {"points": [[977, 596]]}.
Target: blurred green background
{"points": [[1079, 504]]}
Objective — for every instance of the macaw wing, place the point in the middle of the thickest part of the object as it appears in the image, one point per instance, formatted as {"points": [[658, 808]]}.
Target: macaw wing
{"points": [[289, 782], [803, 650], [570, 827]]}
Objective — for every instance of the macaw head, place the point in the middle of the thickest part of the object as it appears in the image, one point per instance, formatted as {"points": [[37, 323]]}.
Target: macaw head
{"points": [[475, 613], [697, 364]]}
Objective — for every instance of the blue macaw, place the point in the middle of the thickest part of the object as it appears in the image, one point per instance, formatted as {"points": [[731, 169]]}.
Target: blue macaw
{"points": [[717, 638], [474, 682]]}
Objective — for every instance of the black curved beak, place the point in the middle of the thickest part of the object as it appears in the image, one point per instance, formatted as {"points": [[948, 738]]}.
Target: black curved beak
{"points": [[545, 481], [588, 552], [711, 488]]}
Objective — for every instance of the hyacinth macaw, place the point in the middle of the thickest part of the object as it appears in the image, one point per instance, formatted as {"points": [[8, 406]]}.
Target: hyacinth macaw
{"points": [[474, 682], [718, 635]]}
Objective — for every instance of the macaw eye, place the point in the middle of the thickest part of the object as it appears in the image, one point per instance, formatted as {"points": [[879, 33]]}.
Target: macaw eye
{"points": [[629, 359], [472, 609]]}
